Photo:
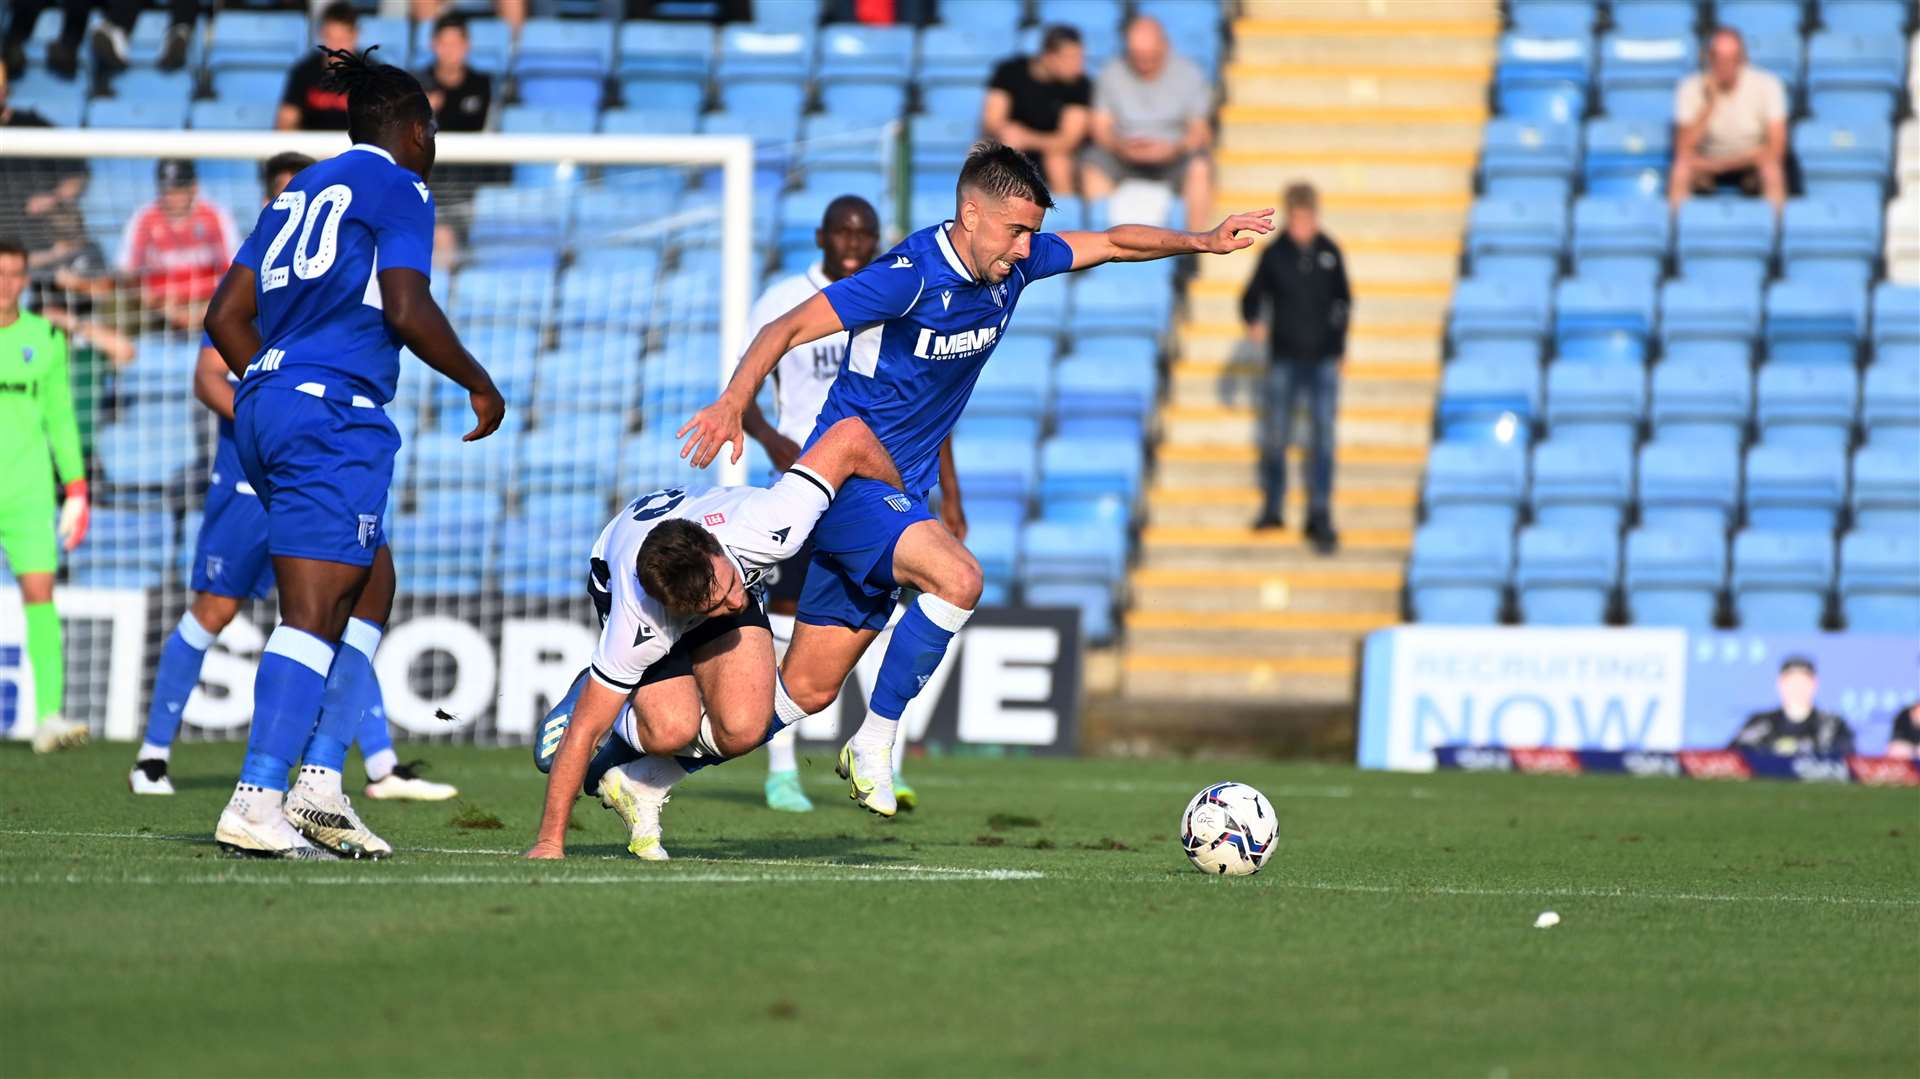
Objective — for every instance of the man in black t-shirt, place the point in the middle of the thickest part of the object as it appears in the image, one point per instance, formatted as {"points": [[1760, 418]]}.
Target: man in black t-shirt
{"points": [[304, 106], [460, 95], [1905, 740], [1038, 104], [1796, 728]]}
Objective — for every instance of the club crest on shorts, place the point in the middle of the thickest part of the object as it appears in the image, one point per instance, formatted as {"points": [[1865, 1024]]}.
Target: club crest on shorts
{"points": [[901, 503], [215, 566], [369, 528]]}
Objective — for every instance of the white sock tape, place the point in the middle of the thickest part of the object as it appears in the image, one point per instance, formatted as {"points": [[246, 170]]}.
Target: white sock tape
{"points": [[943, 614]]}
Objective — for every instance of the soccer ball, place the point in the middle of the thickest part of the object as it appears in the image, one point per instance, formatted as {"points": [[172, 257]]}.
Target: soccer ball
{"points": [[1229, 830]]}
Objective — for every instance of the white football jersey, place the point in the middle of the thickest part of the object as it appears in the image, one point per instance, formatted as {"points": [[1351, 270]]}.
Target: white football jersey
{"points": [[758, 528], [804, 375]]}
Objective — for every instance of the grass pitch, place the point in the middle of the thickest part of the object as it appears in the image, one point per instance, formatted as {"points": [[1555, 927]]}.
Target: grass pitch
{"points": [[1034, 917]]}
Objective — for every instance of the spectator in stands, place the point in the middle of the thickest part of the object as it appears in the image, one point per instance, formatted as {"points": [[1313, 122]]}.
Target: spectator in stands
{"points": [[177, 247], [1730, 127], [304, 104], [1300, 288], [460, 96], [42, 196], [1038, 104], [1151, 122], [1904, 742], [109, 35], [63, 53], [1796, 728]]}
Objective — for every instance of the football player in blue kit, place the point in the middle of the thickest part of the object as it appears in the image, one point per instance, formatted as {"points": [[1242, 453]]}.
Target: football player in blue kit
{"points": [[311, 316], [922, 320], [230, 564]]}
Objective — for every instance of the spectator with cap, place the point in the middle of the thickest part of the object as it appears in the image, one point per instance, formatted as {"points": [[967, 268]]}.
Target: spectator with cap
{"points": [[177, 247], [460, 96], [1151, 121], [1038, 104], [1730, 124], [305, 105], [1797, 728]]}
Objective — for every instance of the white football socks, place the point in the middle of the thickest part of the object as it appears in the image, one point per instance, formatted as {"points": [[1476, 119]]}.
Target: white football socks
{"points": [[317, 782], [654, 775], [780, 755], [151, 752], [380, 765]]}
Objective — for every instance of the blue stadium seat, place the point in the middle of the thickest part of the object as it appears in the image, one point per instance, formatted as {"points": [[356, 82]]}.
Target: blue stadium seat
{"points": [[162, 369], [1706, 402], [67, 111], [1592, 403], [441, 462], [996, 546], [1488, 400], [1554, 18], [1480, 484], [673, 121], [530, 120], [1846, 160], [1756, 17], [1090, 478], [683, 49], [868, 54], [125, 548], [1109, 300], [390, 33], [952, 53], [434, 552], [1620, 239], [1673, 576], [1880, 582], [1565, 576], [1896, 319], [1019, 381], [1093, 396], [1077, 565], [504, 214], [777, 129], [1627, 160], [1703, 309], [1869, 17], [1496, 310], [1814, 322], [1638, 74], [1780, 55], [541, 555], [1516, 238], [867, 104], [136, 113], [572, 452], [1523, 159], [551, 46], [150, 446], [1886, 490], [265, 39], [1603, 320], [1830, 241], [1795, 488], [1781, 579], [581, 92], [754, 51], [1581, 485], [1725, 237], [249, 86], [1655, 18], [1841, 62], [148, 84], [1543, 76], [1890, 404], [996, 469], [1686, 485], [1806, 405], [229, 115], [598, 374], [1457, 573]]}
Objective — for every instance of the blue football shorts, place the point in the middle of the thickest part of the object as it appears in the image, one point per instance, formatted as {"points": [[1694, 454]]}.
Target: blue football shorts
{"points": [[850, 580], [321, 469], [230, 557]]}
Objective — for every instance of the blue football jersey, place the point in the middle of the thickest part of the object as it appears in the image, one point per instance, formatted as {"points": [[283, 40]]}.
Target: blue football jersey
{"points": [[316, 253], [921, 326]]}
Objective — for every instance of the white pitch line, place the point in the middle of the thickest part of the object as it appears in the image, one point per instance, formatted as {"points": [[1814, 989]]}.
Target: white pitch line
{"points": [[1596, 893]]}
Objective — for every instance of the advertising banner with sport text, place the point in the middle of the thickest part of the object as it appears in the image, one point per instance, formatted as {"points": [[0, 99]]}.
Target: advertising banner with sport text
{"points": [[1617, 689], [486, 669]]}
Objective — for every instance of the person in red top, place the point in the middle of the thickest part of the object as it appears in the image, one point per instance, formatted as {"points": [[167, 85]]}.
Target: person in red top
{"points": [[177, 247]]}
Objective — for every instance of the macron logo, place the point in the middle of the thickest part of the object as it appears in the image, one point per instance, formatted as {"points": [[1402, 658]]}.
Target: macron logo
{"points": [[902, 262], [932, 346], [422, 188], [946, 300]]}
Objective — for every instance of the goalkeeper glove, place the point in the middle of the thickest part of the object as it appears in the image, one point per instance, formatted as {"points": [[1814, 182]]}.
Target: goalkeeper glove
{"points": [[73, 515]]}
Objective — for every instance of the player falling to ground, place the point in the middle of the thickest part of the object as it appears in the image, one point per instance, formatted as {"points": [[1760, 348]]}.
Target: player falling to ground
{"points": [[230, 564], [36, 413], [923, 320], [335, 277], [685, 658], [848, 237]]}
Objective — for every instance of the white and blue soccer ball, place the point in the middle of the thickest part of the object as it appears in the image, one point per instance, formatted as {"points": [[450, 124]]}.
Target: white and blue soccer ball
{"points": [[1229, 830]]}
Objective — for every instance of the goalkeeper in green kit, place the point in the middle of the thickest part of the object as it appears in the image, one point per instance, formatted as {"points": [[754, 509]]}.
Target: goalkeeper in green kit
{"points": [[36, 414]]}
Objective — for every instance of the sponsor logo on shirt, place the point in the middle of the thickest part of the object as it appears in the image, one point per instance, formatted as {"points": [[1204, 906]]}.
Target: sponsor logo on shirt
{"points": [[714, 520], [953, 346]]}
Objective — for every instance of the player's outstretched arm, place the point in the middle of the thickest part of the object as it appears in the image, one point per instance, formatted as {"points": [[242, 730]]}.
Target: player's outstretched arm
{"points": [[1143, 243], [593, 716], [210, 385], [229, 321], [722, 421], [420, 325], [849, 449]]}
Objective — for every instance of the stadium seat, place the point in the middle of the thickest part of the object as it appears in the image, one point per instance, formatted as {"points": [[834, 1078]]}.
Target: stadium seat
{"points": [[1890, 404], [228, 116], [1686, 485], [1554, 18], [1565, 576], [1722, 238], [1488, 401], [1075, 565], [549, 46], [1638, 74], [1846, 160], [262, 39], [1506, 310], [1839, 62], [1110, 300], [1655, 18], [541, 549], [591, 374], [1673, 577], [152, 447], [996, 546], [868, 54], [683, 49], [1603, 320], [755, 51], [1523, 159], [1880, 582], [1781, 579], [996, 469], [951, 53], [1806, 405], [1092, 396], [1516, 238], [1627, 160], [1620, 239], [1543, 76], [1457, 574], [1814, 322], [648, 122], [1896, 320], [571, 453], [490, 41], [125, 548], [130, 113], [1704, 402], [1793, 488], [438, 553], [1886, 490], [1581, 485], [576, 92], [1754, 18], [1595, 403], [1781, 55], [504, 214], [1090, 478], [1869, 17], [1833, 241], [1709, 310], [1480, 484], [512, 296]]}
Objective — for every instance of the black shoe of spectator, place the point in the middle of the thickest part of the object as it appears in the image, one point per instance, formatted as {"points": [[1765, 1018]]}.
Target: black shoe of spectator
{"points": [[63, 60], [1268, 521], [173, 54], [109, 51], [1320, 533], [13, 56]]}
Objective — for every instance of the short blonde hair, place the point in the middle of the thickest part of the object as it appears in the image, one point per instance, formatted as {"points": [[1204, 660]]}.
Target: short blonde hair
{"points": [[1301, 196]]}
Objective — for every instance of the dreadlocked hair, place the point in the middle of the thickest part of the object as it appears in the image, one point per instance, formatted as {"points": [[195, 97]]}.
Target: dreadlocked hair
{"points": [[379, 96]]}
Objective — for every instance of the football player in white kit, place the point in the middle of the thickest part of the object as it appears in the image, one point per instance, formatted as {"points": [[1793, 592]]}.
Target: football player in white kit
{"points": [[848, 238], [676, 580]]}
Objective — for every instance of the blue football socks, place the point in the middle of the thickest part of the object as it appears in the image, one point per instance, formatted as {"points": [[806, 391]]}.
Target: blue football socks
{"points": [[351, 691], [287, 692], [174, 681]]}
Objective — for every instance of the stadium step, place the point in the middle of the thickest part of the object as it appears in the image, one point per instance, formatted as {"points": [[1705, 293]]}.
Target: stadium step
{"points": [[1224, 343], [1369, 508], [1258, 128], [1393, 260], [1388, 302], [1356, 425], [1219, 466], [1245, 632], [1358, 86], [1302, 680], [1310, 588], [1375, 383]]}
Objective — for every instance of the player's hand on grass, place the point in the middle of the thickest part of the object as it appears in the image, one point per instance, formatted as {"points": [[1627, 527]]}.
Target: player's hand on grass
{"points": [[546, 850], [489, 408], [75, 509], [1227, 236], [713, 427]]}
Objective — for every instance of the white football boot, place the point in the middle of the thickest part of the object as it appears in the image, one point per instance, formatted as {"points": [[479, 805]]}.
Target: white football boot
{"points": [[403, 784], [252, 825], [149, 777], [638, 807], [868, 771], [325, 815], [56, 733]]}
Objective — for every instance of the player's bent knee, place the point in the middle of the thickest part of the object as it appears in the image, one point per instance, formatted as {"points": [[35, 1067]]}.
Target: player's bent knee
{"points": [[810, 695], [961, 583], [213, 612], [662, 737]]}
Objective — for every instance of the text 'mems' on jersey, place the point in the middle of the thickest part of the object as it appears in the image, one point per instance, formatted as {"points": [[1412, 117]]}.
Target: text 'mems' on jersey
{"points": [[317, 253], [922, 328], [758, 528]]}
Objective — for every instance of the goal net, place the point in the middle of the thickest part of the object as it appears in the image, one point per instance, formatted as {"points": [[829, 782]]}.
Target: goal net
{"points": [[604, 281]]}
